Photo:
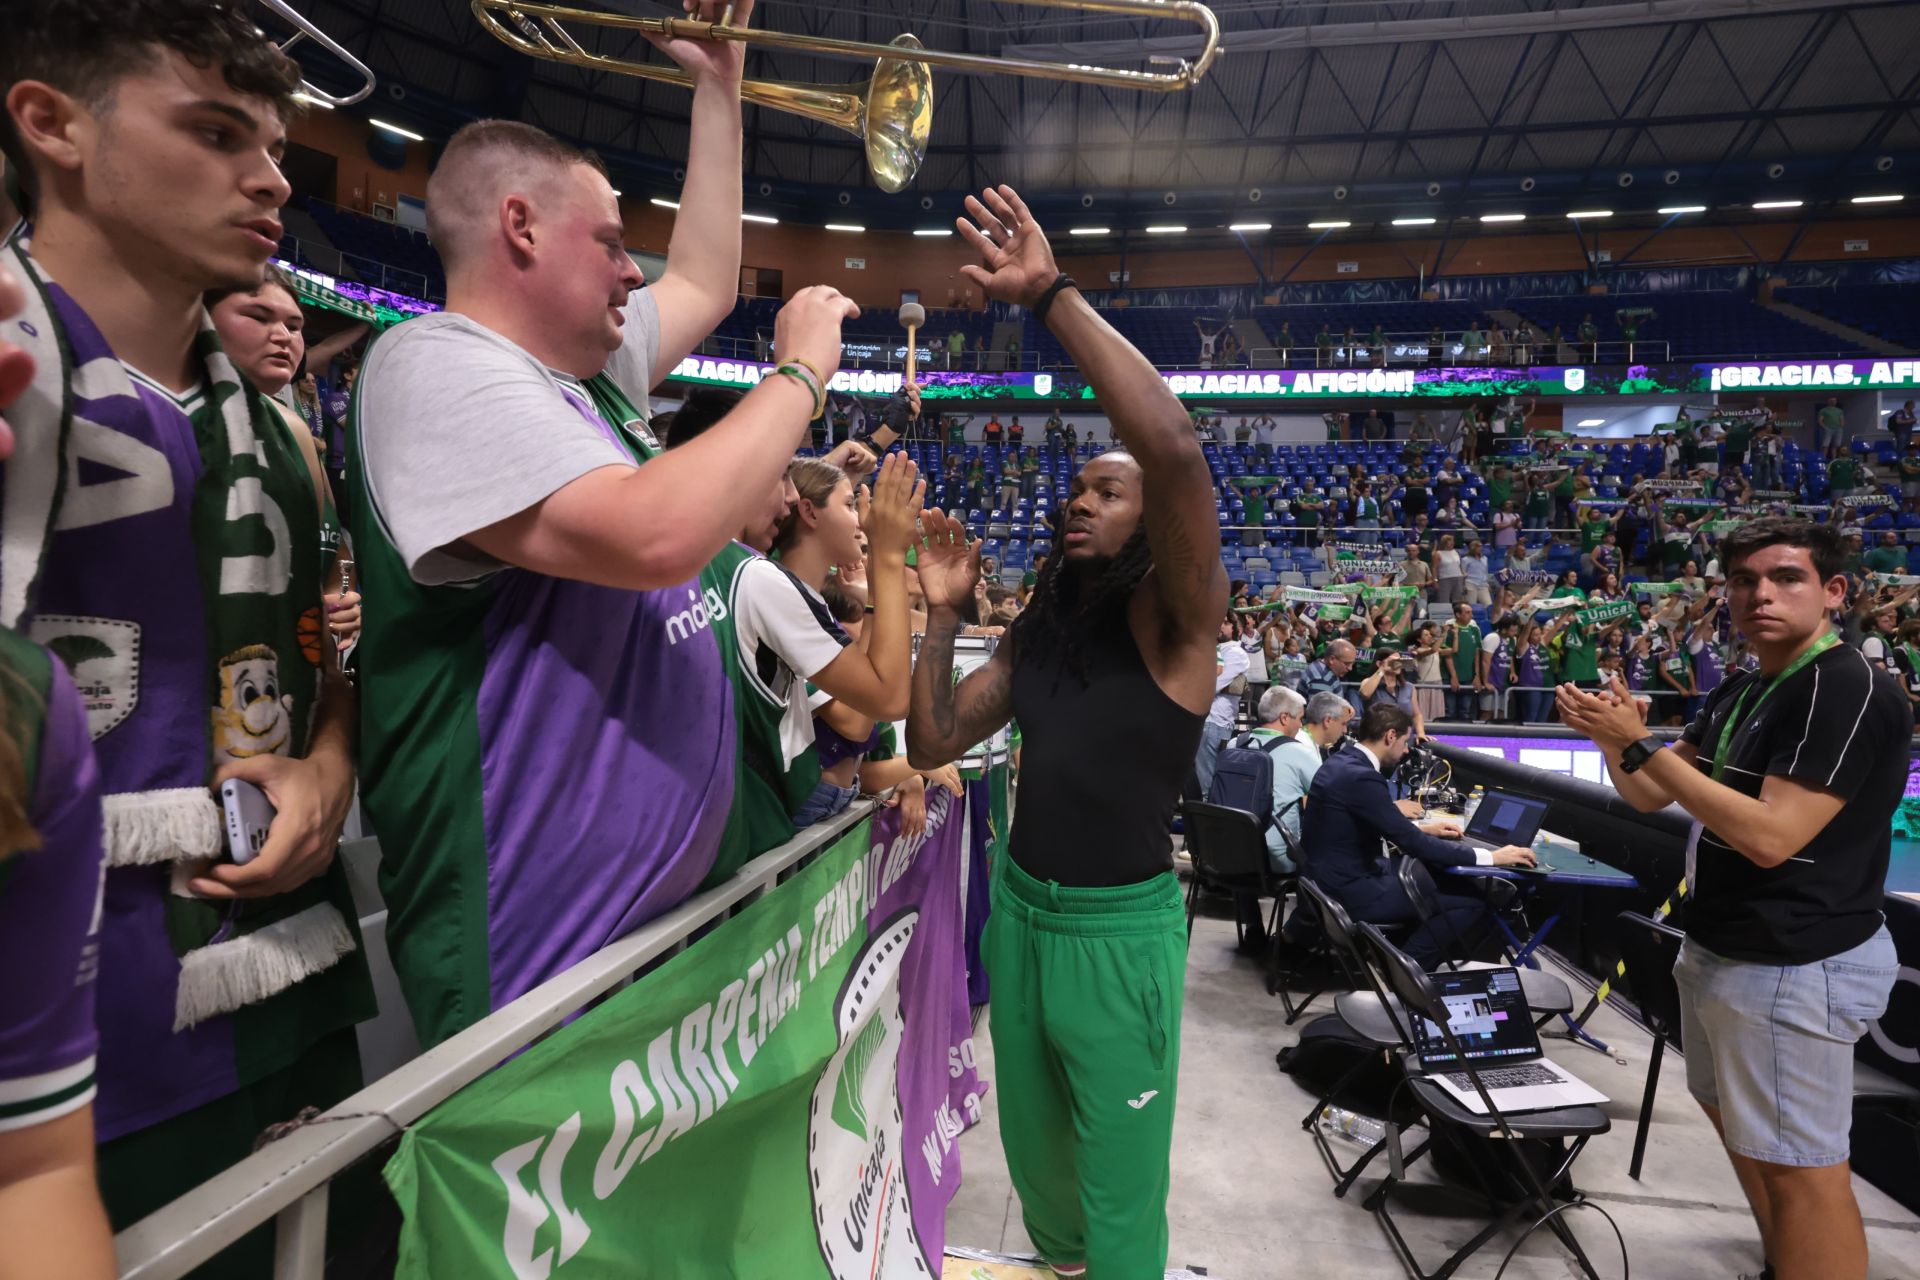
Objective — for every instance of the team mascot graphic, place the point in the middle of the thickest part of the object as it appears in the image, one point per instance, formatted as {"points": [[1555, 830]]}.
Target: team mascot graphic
{"points": [[854, 1154], [254, 718]]}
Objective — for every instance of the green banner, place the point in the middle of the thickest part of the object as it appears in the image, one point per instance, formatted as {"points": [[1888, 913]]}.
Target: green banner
{"points": [[1333, 612], [1659, 588], [1599, 614], [782, 1098]]}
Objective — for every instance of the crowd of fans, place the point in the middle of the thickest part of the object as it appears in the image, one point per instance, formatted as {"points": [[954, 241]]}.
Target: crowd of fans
{"points": [[1514, 560], [712, 611], [582, 686]]}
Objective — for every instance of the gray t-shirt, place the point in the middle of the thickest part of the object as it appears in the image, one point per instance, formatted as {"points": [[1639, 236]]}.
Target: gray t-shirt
{"points": [[461, 428]]}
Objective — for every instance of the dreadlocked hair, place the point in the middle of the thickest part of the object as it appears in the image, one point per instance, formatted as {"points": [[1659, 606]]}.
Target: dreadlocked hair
{"points": [[1064, 609]]}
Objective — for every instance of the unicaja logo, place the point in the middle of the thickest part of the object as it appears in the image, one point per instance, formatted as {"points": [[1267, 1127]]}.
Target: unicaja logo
{"points": [[702, 611], [861, 1209]]}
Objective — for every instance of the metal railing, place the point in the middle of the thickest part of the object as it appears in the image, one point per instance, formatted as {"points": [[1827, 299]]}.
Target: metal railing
{"points": [[331, 261], [288, 1180]]}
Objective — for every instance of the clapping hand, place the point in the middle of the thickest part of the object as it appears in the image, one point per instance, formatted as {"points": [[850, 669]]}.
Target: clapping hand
{"points": [[948, 566], [1613, 717], [887, 514]]}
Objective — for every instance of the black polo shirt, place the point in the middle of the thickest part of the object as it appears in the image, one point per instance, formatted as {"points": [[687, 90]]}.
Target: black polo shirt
{"points": [[1838, 723]]}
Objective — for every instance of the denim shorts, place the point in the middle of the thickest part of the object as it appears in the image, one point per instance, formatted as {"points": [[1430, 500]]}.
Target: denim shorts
{"points": [[1771, 1046], [822, 803]]}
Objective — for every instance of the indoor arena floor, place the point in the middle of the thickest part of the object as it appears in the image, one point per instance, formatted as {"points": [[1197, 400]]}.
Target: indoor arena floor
{"points": [[1252, 1199]]}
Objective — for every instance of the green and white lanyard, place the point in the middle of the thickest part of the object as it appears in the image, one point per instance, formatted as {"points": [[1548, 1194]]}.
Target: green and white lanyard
{"points": [[1731, 726], [1724, 745]]}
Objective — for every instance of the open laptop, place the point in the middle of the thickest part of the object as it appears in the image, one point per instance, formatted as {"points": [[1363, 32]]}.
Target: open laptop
{"points": [[1504, 818], [1491, 1021]]}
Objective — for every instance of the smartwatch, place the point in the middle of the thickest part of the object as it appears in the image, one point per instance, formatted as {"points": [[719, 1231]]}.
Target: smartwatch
{"points": [[1638, 753]]}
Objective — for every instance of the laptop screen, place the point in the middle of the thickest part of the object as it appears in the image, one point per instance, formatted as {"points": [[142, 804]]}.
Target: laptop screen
{"points": [[1505, 818], [1487, 1010]]}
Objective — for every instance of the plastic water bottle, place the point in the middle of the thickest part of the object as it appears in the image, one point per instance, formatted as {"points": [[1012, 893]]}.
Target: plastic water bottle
{"points": [[1364, 1130], [1473, 802]]}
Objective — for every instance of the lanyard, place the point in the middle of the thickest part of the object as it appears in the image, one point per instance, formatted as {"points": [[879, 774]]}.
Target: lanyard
{"points": [[1732, 726]]}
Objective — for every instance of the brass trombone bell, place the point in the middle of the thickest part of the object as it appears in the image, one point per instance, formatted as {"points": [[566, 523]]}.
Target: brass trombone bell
{"points": [[893, 112]]}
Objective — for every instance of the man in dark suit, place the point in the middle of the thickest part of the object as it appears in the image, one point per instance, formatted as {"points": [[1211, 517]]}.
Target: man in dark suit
{"points": [[1349, 812]]}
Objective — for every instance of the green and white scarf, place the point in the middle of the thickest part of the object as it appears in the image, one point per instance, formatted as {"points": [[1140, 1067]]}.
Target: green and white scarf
{"points": [[250, 540]]}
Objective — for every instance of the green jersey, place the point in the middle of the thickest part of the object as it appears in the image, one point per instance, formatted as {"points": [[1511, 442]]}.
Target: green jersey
{"points": [[1466, 658], [767, 788], [1581, 659]]}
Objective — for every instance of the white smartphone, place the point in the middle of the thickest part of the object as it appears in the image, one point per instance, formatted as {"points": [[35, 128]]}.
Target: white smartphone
{"points": [[249, 815]]}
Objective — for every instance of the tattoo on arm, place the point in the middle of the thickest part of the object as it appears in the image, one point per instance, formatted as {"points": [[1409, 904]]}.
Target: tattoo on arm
{"points": [[945, 719], [936, 657]]}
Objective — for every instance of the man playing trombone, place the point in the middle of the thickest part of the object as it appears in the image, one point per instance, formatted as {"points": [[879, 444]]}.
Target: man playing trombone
{"points": [[549, 747]]}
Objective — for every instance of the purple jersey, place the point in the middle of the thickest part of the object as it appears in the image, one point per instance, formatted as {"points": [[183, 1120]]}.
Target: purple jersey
{"points": [[50, 916], [139, 662], [1528, 671], [1709, 667]]}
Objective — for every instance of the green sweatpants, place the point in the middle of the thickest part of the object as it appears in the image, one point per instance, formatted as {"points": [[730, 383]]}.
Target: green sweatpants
{"points": [[1085, 1013]]}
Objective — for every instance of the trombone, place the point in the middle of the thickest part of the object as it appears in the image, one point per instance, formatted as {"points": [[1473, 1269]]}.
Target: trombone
{"points": [[303, 28], [893, 112]]}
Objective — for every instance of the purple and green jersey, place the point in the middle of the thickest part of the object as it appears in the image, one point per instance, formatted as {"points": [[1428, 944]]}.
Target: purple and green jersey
{"points": [[49, 897], [136, 646], [549, 763]]}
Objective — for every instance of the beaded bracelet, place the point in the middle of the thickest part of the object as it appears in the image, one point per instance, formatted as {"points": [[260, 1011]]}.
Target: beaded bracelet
{"points": [[819, 379], [803, 373]]}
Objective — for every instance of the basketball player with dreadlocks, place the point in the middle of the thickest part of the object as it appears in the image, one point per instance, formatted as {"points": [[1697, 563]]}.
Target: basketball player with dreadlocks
{"points": [[1110, 671]]}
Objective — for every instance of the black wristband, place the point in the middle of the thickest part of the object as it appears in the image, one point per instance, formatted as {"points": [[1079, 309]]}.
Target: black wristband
{"points": [[1045, 301]]}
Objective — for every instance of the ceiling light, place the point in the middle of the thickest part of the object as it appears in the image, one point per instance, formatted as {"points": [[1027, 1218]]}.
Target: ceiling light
{"points": [[1685, 208], [1327, 226], [664, 204], [1877, 199], [1591, 213], [394, 128], [312, 101], [845, 226], [1089, 231], [760, 217], [616, 190], [1503, 217], [931, 231], [1251, 226], [1413, 222], [1776, 204], [1591, 422], [1164, 230]]}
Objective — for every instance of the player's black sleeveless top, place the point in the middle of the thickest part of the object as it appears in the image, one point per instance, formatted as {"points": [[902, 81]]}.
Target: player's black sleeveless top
{"points": [[1101, 763]]}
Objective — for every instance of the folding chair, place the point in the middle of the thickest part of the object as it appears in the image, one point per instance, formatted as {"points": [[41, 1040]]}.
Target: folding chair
{"points": [[1229, 852], [1450, 1122], [1314, 900], [1649, 949], [1276, 948], [1370, 1014]]}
